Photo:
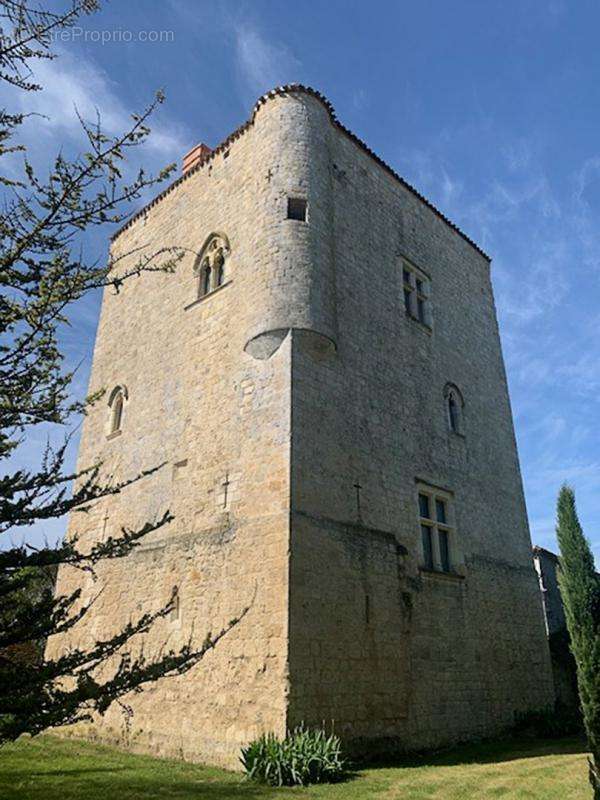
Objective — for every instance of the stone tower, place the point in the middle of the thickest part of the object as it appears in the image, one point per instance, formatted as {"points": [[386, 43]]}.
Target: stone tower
{"points": [[324, 378]]}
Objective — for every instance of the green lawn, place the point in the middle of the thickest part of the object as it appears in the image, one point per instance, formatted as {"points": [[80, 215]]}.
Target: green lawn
{"points": [[48, 768]]}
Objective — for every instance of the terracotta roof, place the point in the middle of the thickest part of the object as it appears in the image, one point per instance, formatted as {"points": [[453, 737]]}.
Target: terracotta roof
{"points": [[297, 88]]}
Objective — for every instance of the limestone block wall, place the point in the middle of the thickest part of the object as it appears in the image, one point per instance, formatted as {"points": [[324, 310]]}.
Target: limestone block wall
{"points": [[546, 565], [447, 656], [564, 669], [349, 620], [295, 409], [296, 289], [219, 420]]}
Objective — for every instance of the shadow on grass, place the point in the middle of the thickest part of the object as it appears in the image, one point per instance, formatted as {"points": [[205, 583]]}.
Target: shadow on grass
{"points": [[485, 752], [54, 770], [42, 786], [58, 772]]}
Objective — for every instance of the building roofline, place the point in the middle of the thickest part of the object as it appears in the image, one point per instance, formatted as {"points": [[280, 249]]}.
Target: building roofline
{"points": [[537, 550], [542, 551], [297, 88]]}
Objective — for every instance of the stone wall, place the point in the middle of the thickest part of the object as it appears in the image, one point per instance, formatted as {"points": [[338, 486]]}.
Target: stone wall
{"points": [[564, 668], [295, 408], [212, 412], [436, 657], [546, 566]]}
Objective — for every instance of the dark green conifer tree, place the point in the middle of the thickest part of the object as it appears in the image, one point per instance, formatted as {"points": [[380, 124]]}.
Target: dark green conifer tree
{"points": [[580, 590]]}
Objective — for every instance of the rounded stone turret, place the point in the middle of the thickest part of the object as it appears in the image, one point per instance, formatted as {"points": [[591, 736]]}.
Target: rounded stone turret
{"points": [[296, 288]]}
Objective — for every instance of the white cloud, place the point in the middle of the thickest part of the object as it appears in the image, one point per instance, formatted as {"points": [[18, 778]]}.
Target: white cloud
{"points": [[263, 64], [451, 189], [517, 155], [74, 85], [589, 170], [541, 230], [359, 99]]}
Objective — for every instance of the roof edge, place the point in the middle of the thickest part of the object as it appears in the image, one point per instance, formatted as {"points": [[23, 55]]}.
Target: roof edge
{"points": [[297, 88], [538, 550]]}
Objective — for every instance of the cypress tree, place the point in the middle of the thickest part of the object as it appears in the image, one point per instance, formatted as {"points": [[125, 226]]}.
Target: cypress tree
{"points": [[580, 590]]}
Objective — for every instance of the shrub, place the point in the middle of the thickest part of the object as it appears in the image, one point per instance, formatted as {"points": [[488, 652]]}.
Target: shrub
{"points": [[304, 756]]}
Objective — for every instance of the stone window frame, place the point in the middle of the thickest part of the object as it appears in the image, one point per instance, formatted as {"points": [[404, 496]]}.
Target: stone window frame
{"points": [[416, 294], [442, 562], [212, 266], [117, 401], [290, 213], [455, 422]]}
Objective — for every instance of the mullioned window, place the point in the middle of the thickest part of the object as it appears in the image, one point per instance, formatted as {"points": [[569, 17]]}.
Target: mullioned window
{"points": [[211, 265], [436, 528], [416, 288]]}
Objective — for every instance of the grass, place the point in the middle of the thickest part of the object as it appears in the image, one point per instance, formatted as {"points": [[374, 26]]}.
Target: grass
{"points": [[49, 768]]}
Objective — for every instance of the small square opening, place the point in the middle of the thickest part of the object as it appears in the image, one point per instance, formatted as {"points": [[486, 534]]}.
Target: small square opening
{"points": [[296, 208]]}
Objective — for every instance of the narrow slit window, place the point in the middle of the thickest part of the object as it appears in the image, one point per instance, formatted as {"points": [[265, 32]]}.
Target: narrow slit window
{"points": [[440, 511], [427, 547], [444, 551], [424, 506], [454, 409], [205, 280], [296, 208], [117, 414], [116, 405], [453, 413], [220, 266]]}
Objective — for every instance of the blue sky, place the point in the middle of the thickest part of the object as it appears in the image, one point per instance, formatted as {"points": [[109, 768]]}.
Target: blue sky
{"points": [[490, 109]]}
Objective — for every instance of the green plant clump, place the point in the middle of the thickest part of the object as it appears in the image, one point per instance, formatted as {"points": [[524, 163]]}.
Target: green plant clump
{"points": [[304, 756]]}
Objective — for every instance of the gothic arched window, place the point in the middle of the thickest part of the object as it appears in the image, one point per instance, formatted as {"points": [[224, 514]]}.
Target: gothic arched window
{"points": [[205, 279], [453, 413], [212, 264], [116, 403], [454, 409], [220, 267]]}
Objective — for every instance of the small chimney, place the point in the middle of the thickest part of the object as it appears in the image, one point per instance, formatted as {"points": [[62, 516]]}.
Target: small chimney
{"points": [[197, 154]]}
